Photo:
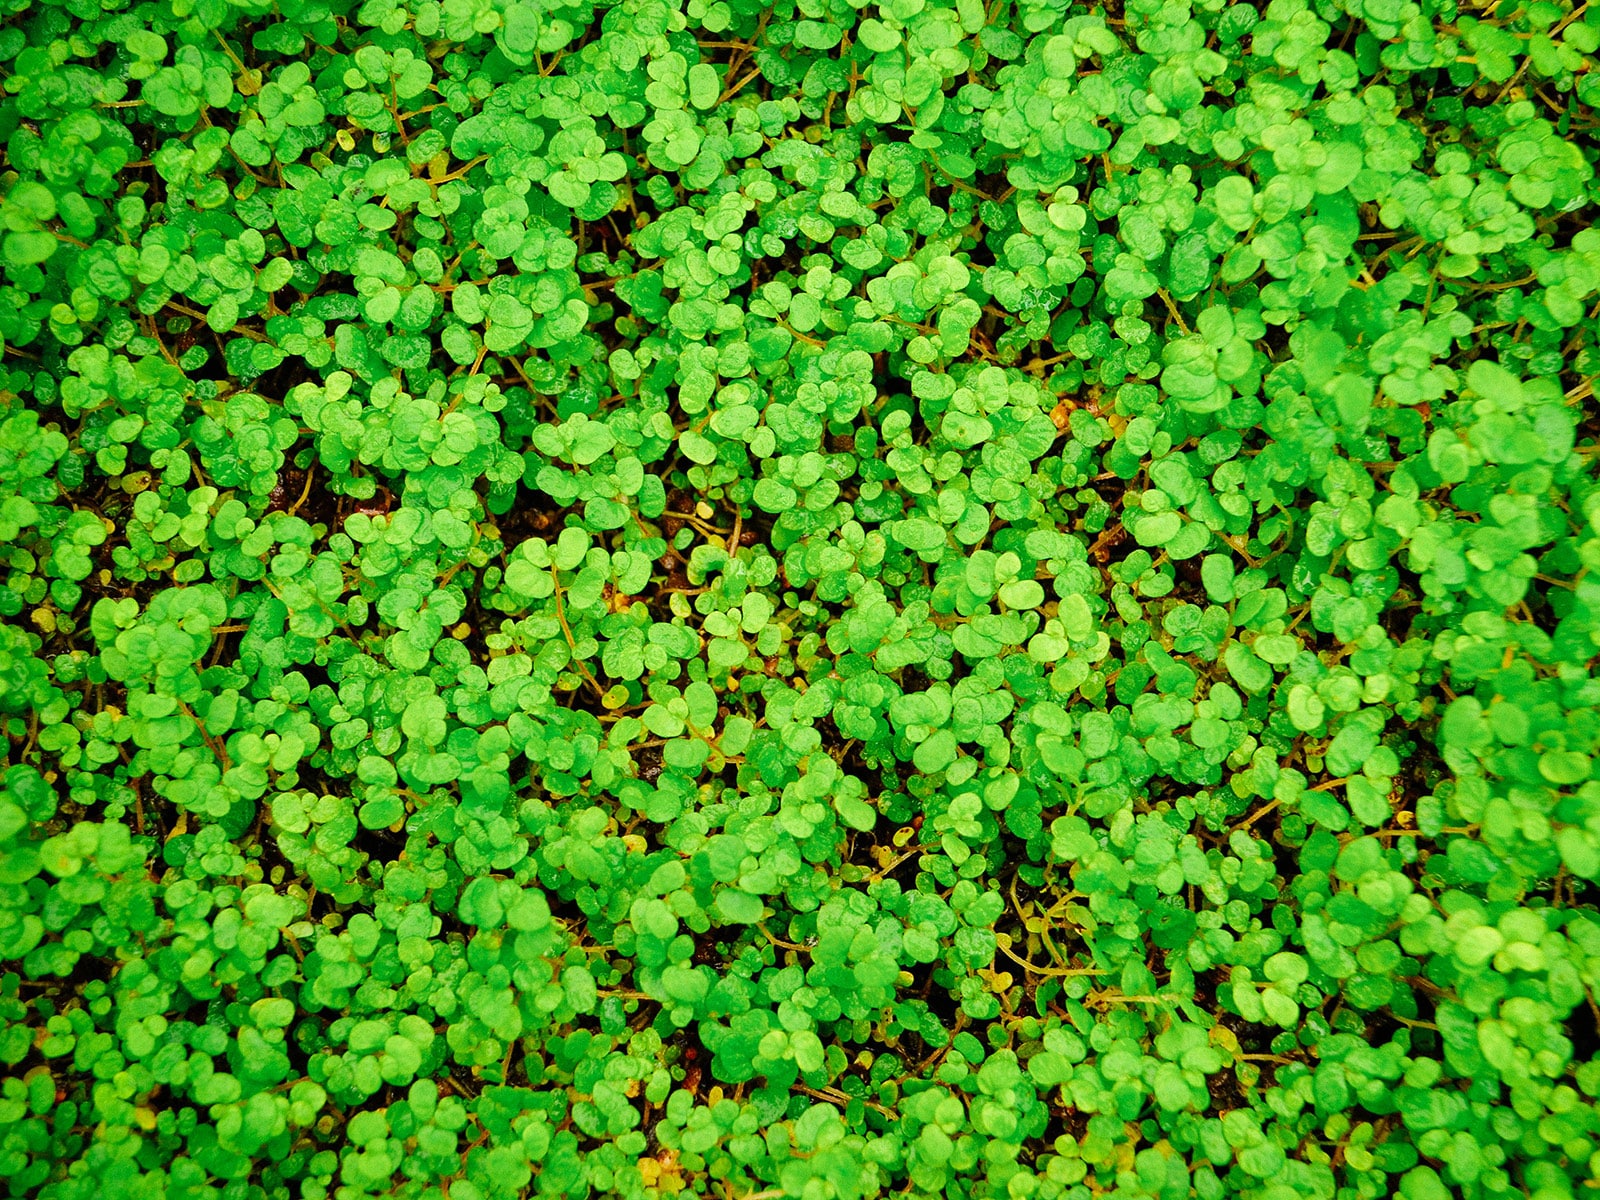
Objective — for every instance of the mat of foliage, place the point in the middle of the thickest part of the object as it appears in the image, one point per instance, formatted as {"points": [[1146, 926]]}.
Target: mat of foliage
{"points": [[818, 601]]}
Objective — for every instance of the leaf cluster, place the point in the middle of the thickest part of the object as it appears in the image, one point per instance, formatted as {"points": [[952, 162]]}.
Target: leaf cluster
{"points": [[812, 600]]}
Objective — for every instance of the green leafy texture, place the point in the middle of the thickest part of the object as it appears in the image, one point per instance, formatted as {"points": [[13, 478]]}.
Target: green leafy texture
{"points": [[812, 601]]}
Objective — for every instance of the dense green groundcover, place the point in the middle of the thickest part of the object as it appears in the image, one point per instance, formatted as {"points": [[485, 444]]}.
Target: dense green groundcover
{"points": [[834, 600]]}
